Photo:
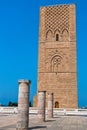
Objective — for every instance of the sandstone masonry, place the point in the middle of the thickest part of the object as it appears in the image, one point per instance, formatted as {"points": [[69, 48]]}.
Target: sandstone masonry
{"points": [[57, 71]]}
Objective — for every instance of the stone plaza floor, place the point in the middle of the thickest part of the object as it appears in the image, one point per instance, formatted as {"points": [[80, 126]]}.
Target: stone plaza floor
{"points": [[8, 122]]}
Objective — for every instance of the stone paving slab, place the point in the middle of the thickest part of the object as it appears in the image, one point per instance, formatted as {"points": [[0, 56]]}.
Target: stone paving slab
{"points": [[57, 123]]}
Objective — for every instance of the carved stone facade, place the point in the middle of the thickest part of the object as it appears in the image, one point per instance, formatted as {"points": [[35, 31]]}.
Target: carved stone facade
{"points": [[57, 71]]}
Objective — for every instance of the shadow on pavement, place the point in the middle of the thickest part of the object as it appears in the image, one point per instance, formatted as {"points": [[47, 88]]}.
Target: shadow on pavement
{"points": [[56, 117], [37, 127], [50, 120]]}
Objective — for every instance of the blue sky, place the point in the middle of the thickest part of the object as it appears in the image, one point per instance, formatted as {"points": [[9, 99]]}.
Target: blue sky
{"points": [[19, 30]]}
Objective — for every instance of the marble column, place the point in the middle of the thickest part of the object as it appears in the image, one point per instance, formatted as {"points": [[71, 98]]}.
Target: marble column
{"points": [[41, 105], [50, 105], [23, 105]]}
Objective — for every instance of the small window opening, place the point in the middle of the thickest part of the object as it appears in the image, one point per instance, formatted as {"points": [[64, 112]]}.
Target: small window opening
{"points": [[57, 37], [56, 104]]}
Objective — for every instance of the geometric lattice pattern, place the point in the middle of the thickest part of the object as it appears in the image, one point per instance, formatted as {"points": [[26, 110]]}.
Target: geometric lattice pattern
{"points": [[57, 17]]}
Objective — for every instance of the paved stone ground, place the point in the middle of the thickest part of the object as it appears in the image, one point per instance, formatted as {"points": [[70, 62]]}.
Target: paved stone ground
{"points": [[8, 122]]}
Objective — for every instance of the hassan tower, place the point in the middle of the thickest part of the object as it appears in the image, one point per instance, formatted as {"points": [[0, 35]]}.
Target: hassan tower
{"points": [[57, 70]]}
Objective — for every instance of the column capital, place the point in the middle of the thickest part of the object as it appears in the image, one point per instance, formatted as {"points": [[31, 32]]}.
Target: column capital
{"points": [[42, 91], [50, 93], [24, 81]]}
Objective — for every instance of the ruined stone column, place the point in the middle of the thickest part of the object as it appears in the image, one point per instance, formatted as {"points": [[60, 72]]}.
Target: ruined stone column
{"points": [[50, 105], [41, 105], [23, 105]]}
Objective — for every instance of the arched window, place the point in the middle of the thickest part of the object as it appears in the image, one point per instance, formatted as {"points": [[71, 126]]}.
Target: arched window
{"points": [[57, 37]]}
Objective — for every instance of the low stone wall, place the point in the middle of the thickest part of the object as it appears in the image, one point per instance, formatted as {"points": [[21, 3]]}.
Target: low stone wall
{"points": [[56, 111], [14, 110], [69, 111], [8, 110]]}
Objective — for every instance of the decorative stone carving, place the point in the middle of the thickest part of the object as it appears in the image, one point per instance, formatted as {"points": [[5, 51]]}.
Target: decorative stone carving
{"points": [[49, 35], [55, 61], [65, 35], [57, 17]]}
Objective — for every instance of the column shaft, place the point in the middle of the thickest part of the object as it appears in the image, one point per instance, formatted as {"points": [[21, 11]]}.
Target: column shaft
{"points": [[41, 105], [50, 105], [23, 105]]}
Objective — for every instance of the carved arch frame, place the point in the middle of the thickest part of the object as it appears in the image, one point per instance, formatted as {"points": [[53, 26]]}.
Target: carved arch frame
{"points": [[55, 62]]}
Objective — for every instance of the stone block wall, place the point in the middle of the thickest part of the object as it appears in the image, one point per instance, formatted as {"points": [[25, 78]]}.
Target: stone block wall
{"points": [[57, 67]]}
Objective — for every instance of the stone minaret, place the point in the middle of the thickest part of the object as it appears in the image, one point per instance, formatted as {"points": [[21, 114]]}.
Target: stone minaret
{"points": [[57, 71]]}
